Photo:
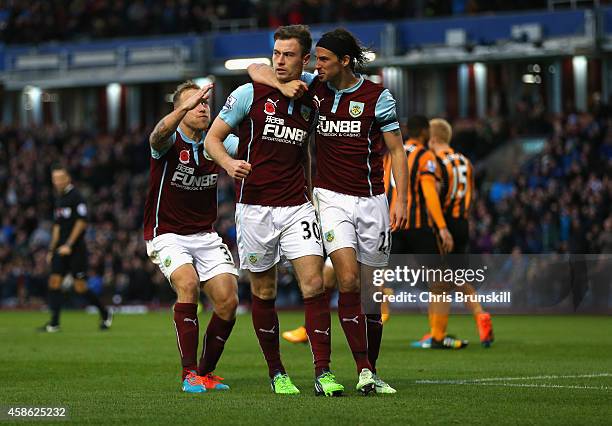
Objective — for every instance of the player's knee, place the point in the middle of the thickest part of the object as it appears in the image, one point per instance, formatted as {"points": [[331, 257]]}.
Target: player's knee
{"points": [[348, 281], [265, 293], [226, 308], [329, 281], [313, 286], [55, 282], [80, 286], [186, 287]]}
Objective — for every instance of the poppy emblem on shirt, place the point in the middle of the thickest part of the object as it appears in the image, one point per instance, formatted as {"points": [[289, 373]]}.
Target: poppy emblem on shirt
{"points": [[184, 156], [270, 107], [356, 108]]}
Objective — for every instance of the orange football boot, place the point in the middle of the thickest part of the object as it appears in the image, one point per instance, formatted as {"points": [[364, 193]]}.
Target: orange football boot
{"points": [[485, 329], [296, 336]]}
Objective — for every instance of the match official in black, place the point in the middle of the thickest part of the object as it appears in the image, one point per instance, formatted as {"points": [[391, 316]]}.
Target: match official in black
{"points": [[67, 251]]}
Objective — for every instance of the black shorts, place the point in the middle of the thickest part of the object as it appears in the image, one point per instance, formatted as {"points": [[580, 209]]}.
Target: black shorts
{"points": [[415, 241], [416, 248], [460, 230], [76, 264]]}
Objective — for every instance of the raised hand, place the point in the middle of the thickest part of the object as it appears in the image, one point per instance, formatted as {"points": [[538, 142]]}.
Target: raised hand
{"points": [[198, 97]]}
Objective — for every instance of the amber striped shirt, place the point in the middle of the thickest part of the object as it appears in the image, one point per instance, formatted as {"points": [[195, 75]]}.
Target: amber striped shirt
{"points": [[457, 179], [421, 162]]}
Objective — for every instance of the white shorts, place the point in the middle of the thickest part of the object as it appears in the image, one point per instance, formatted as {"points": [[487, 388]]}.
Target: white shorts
{"points": [[358, 222], [266, 233], [206, 251]]}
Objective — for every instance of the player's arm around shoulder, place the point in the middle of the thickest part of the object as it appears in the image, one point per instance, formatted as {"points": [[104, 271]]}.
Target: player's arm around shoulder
{"points": [[162, 136], [294, 89]]}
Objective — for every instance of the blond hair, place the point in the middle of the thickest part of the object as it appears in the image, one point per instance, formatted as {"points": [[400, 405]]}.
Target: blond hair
{"points": [[440, 128], [183, 87]]}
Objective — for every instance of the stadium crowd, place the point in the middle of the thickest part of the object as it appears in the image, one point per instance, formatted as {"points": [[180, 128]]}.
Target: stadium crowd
{"points": [[32, 21], [558, 201]]}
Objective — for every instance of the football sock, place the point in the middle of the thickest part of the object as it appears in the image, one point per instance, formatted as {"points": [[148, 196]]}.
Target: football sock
{"points": [[187, 334], [374, 328], [55, 305], [474, 307], [94, 300], [217, 333], [328, 295], [265, 323], [318, 328], [353, 325], [438, 326]]}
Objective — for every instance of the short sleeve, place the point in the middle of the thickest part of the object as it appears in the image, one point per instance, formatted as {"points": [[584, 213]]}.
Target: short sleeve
{"points": [[230, 144], [237, 105], [308, 77], [385, 112], [428, 164], [81, 210], [80, 207], [439, 169], [159, 154]]}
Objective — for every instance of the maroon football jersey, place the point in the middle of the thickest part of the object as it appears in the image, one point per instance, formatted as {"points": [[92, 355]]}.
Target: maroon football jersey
{"points": [[273, 139], [349, 140], [182, 197]]}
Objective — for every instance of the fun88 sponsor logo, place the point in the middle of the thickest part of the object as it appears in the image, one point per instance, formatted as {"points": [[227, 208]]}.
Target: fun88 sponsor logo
{"points": [[276, 131], [184, 178]]}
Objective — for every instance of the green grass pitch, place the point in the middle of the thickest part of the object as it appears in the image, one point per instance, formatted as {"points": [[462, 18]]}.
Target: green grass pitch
{"points": [[542, 369]]}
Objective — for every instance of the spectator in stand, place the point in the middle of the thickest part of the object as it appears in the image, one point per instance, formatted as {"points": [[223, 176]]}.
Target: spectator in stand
{"points": [[560, 201], [34, 21]]}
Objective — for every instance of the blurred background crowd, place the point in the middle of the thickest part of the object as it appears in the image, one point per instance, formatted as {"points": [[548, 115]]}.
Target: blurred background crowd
{"points": [[553, 198], [557, 201], [34, 21]]}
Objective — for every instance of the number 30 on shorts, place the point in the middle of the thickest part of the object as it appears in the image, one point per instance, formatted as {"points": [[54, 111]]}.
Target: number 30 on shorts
{"points": [[310, 230]]}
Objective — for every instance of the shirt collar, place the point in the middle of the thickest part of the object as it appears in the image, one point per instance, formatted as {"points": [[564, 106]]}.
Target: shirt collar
{"points": [[348, 89], [68, 188], [189, 140]]}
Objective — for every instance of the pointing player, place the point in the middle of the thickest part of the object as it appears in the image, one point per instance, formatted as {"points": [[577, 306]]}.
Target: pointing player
{"points": [[357, 123], [274, 216], [180, 210], [456, 196], [67, 251]]}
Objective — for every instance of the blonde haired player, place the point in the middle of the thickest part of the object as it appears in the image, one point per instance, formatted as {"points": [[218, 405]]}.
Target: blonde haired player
{"points": [[180, 210], [456, 179]]}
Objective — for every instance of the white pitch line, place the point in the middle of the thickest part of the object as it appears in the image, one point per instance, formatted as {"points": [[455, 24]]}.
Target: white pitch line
{"points": [[498, 379], [534, 385]]}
